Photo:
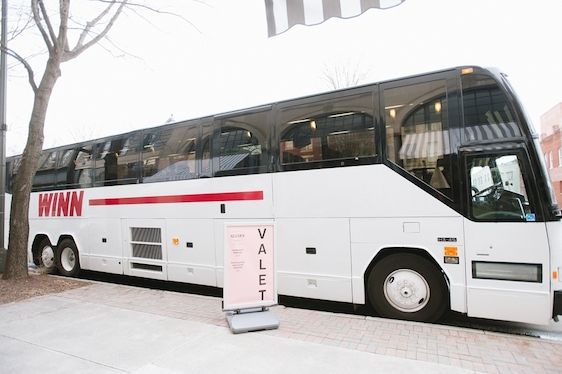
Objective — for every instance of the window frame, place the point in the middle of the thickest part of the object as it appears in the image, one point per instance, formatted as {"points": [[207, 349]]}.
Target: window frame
{"points": [[97, 150], [222, 122], [499, 150], [193, 128], [451, 82], [327, 100]]}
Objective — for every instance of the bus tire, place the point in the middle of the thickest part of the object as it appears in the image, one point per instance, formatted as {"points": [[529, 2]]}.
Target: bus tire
{"points": [[45, 256], [409, 287], [67, 259]]}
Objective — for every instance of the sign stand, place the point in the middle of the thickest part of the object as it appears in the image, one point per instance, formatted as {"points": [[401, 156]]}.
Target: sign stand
{"points": [[249, 320], [249, 277]]}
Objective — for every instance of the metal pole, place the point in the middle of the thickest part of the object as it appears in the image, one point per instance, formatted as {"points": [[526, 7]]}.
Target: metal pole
{"points": [[3, 126]]}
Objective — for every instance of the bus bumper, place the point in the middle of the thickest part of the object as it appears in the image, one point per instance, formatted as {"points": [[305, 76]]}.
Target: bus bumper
{"points": [[557, 307]]}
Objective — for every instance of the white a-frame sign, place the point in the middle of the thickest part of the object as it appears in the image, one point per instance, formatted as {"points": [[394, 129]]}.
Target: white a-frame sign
{"points": [[249, 276]]}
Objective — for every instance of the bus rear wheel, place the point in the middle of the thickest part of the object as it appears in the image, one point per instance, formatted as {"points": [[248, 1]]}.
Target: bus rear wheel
{"points": [[407, 286], [45, 256], [66, 257]]}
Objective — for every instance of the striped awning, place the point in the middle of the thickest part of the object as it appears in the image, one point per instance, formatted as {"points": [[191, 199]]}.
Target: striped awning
{"points": [[491, 131], [284, 14], [229, 162], [437, 143], [429, 144]]}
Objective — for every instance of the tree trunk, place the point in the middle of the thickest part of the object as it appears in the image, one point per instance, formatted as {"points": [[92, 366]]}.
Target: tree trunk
{"points": [[17, 256]]}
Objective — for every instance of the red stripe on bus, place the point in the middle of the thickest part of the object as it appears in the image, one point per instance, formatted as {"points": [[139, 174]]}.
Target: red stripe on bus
{"points": [[196, 198]]}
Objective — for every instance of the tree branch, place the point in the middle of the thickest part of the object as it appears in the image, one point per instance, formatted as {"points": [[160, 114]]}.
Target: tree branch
{"points": [[18, 30], [91, 24], [23, 61], [47, 22], [64, 9], [158, 11], [37, 18], [78, 49]]}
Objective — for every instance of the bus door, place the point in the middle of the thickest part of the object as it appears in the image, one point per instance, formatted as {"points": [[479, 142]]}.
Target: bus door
{"points": [[507, 252]]}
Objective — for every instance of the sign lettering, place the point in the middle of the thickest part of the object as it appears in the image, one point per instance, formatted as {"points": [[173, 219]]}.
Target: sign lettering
{"points": [[248, 266], [61, 204]]}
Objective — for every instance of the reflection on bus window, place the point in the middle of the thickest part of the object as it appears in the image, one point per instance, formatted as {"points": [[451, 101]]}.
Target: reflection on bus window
{"points": [[417, 132], [498, 189], [238, 149], [117, 160], [169, 154], [240, 145], [45, 177], [323, 135], [487, 114], [84, 167], [328, 137]]}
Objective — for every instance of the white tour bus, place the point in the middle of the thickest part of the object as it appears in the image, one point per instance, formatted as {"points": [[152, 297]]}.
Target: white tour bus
{"points": [[415, 195]]}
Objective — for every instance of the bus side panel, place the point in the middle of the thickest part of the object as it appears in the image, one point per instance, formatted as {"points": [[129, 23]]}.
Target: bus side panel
{"points": [[554, 231], [362, 191], [100, 246], [191, 253], [219, 232], [507, 270], [247, 196], [438, 236], [98, 240], [313, 258]]}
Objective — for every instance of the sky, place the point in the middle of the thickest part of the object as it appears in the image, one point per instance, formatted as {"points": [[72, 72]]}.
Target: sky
{"points": [[217, 58]]}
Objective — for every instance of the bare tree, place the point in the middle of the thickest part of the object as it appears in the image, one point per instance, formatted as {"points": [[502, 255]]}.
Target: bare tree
{"points": [[343, 76], [53, 26]]}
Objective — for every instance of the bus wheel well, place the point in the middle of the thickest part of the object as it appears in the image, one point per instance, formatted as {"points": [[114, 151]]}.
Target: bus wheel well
{"points": [[63, 237], [385, 252], [36, 247]]}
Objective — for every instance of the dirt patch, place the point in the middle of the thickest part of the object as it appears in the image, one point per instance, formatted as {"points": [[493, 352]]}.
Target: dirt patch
{"points": [[35, 285]]}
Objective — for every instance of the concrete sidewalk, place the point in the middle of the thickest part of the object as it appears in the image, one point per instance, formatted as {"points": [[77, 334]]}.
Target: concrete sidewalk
{"points": [[107, 328]]}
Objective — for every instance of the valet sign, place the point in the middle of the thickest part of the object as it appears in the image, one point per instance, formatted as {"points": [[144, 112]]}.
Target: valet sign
{"points": [[249, 274]]}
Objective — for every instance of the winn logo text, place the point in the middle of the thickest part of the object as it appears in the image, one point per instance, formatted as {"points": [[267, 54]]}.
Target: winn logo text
{"points": [[61, 204]]}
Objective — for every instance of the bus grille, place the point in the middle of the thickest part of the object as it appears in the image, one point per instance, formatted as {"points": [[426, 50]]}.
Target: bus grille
{"points": [[153, 252], [146, 242], [146, 234]]}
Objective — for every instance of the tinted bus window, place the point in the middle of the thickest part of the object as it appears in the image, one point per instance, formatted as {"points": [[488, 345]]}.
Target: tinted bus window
{"points": [[240, 145], [487, 113], [417, 135], [75, 168], [117, 160], [45, 177], [335, 132], [83, 175], [169, 154]]}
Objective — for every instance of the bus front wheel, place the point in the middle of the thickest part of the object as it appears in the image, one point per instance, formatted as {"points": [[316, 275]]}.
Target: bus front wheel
{"points": [[66, 257], [407, 286]]}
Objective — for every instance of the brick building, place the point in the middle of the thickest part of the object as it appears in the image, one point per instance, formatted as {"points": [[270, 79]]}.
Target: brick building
{"points": [[551, 144]]}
